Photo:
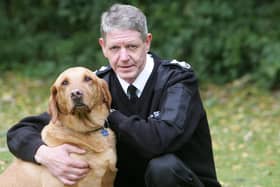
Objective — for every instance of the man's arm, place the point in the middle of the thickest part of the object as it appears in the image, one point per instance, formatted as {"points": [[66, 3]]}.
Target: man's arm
{"points": [[59, 162], [24, 138], [24, 141], [180, 113]]}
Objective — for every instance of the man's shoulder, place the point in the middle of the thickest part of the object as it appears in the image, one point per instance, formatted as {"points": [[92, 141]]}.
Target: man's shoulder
{"points": [[171, 64], [172, 71], [175, 68], [176, 65], [103, 70]]}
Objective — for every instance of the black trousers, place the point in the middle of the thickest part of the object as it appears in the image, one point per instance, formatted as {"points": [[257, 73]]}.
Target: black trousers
{"points": [[170, 171]]}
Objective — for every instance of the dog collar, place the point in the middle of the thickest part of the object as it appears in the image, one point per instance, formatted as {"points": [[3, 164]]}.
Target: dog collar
{"points": [[104, 132]]}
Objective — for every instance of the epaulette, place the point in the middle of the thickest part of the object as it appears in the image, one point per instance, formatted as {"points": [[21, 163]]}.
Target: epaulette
{"points": [[181, 64], [102, 70]]}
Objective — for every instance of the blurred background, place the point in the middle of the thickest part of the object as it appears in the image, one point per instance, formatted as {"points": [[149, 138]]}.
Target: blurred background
{"points": [[234, 47]]}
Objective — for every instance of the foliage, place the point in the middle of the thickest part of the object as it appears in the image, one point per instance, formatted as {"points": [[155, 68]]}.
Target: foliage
{"points": [[244, 123], [223, 40], [50, 34]]}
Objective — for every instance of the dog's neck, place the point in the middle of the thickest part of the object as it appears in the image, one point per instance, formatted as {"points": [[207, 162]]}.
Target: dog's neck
{"points": [[72, 126], [85, 123], [96, 140]]}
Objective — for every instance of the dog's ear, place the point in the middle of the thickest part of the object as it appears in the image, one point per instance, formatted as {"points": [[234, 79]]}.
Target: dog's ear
{"points": [[53, 111], [106, 93]]}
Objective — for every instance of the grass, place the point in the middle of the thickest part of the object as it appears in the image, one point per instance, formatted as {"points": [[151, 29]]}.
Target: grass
{"points": [[20, 96], [244, 122], [246, 138]]}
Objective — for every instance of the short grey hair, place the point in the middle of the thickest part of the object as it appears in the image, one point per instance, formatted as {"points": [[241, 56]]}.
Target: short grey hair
{"points": [[120, 16]]}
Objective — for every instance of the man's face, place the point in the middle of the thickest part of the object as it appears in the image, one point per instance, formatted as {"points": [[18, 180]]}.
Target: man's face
{"points": [[126, 52]]}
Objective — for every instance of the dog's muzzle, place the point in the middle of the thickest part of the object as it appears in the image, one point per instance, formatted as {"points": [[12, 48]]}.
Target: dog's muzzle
{"points": [[77, 97], [79, 105]]}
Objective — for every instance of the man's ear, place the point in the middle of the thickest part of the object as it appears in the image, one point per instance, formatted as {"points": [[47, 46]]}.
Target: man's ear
{"points": [[52, 109], [102, 45], [148, 41]]}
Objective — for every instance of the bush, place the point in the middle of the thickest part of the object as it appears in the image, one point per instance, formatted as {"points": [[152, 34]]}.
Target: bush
{"points": [[223, 40]]}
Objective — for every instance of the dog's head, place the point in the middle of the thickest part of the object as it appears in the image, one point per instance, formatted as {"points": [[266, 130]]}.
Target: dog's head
{"points": [[77, 91]]}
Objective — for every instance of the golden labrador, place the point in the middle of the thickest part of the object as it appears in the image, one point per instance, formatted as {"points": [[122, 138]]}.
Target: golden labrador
{"points": [[79, 105]]}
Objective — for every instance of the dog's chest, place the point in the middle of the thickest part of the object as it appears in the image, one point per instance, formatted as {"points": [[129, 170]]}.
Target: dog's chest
{"points": [[96, 141]]}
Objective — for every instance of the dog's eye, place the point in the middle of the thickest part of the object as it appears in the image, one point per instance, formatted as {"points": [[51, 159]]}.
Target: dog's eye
{"points": [[87, 78], [65, 82]]}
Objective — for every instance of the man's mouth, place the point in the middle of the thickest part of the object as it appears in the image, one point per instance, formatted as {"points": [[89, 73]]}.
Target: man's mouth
{"points": [[126, 68]]}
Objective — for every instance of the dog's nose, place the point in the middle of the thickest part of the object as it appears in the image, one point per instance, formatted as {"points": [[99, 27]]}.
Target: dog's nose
{"points": [[76, 94]]}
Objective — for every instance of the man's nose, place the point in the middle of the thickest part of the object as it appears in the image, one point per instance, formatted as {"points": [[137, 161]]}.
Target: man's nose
{"points": [[124, 54]]}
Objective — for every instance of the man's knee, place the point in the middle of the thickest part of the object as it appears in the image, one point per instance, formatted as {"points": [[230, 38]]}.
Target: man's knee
{"points": [[160, 168], [168, 170]]}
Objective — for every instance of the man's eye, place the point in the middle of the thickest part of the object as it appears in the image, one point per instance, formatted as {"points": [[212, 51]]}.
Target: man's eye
{"points": [[132, 47], [114, 48], [65, 82], [87, 78]]}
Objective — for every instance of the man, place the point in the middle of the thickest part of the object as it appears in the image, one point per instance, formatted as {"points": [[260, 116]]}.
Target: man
{"points": [[163, 137]]}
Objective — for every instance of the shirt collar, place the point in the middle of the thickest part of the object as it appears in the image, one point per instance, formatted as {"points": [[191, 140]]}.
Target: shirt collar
{"points": [[142, 78]]}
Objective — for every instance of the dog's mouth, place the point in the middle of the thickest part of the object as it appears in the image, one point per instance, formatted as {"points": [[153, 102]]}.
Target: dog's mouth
{"points": [[79, 107]]}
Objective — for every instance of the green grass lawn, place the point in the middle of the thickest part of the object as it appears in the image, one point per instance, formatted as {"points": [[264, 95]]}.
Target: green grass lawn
{"points": [[244, 123]]}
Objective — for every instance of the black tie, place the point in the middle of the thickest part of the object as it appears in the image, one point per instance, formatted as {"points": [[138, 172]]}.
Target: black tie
{"points": [[132, 92]]}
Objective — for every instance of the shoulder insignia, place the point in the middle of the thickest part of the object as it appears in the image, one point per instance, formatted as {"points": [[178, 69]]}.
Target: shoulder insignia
{"points": [[102, 69], [182, 64]]}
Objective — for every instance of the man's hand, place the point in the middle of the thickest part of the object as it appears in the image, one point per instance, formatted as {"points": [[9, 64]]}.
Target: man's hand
{"points": [[59, 162]]}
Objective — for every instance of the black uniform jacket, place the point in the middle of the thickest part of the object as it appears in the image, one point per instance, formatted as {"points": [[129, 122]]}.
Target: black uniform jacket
{"points": [[171, 120]]}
